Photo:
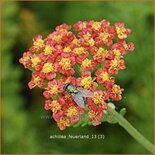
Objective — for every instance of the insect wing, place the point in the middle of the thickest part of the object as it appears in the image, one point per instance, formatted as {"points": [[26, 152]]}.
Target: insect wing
{"points": [[78, 99], [86, 93]]}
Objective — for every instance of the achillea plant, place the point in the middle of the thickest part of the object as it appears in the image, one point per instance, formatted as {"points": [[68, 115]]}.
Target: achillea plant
{"points": [[77, 71]]}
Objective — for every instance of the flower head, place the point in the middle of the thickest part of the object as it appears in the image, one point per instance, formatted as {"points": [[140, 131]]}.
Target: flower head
{"points": [[87, 62]]}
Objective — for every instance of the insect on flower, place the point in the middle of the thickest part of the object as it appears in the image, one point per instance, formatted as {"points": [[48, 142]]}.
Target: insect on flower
{"points": [[78, 93]]}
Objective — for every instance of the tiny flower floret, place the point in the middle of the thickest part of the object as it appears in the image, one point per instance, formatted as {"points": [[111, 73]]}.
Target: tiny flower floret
{"points": [[86, 63], [55, 106], [86, 82], [96, 26], [72, 111], [65, 63], [98, 98], [48, 67], [48, 50], [104, 76]]}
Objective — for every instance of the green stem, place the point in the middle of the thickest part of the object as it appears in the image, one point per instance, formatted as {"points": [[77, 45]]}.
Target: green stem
{"points": [[131, 130]]}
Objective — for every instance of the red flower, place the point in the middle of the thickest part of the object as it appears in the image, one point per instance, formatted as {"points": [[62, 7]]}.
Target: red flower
{"points": [[113, 66], [54, 87], [115, 92], [38, 44], [36, 81], [64, 65], [87, 64], [121, 31], [99, 54], [86, 81], [48, 71], [104, 78], [26, 59], [80, 54]]}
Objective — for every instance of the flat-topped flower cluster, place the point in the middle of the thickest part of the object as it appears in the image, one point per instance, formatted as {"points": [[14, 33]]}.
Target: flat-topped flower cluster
{"points": [[87, 58]]}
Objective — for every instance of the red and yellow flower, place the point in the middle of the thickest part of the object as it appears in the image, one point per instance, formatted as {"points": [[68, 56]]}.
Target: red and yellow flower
{"points": [[115, 92], [113, 66], [53, 88], [35, 81], [104, 78], [121, 31], [88, 60], [64, 65]]}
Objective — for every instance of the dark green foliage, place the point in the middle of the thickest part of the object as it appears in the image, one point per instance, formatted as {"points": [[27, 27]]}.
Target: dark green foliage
{"points": [[26, 127]]}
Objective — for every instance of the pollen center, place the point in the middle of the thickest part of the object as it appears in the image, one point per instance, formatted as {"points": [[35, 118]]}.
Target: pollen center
{"points": [[86, 63], [35, 61], [55, 106], [96, 25], [116, 89], [98, 98], [48, 67], [121, 32], [104, 76], [54, 90], [114, 63], [86, 82], [39, 43], [79, 50], [48, 50], [104, 36], [67, 49], [37, 80], [117, 54], [65, 63], [72, 111]]}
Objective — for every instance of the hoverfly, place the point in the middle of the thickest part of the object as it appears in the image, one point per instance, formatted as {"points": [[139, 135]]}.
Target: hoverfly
{"points": [[77, 93]]}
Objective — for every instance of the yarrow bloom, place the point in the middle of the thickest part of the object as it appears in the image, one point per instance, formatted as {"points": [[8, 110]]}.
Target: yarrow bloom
{"points": [[88, 61]]}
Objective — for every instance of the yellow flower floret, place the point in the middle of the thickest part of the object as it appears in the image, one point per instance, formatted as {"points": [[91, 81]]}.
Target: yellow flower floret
{"points": [[79, 50], [114, 63], [96, 25], [37, 80], [98, 98], [39, 43], [55, 106], [104, 76], [54, 90], [57, 38], [101, 52], [116, 89], [104, 36], [67, 49], [65, 63], [86, 63], [91, 42], [72, 111], [35, 60], [87, 36], [48, 50], [63, 122], [117, 54], [86, 82], [48, 67], [121, 32]]}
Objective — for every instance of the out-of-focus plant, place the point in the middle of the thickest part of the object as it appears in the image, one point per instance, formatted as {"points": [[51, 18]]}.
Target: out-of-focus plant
{"points": [[28, 23], [16, 134], [77, 70]]}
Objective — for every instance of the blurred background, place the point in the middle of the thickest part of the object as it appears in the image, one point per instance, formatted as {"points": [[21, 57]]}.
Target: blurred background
{"points": [[23, 129]]}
